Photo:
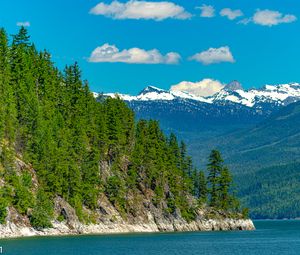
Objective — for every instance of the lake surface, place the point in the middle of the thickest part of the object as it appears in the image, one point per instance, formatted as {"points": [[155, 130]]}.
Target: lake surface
{"points": [[271, 237]]}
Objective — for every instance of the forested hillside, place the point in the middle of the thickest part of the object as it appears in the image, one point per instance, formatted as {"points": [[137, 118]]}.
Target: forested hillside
{"points": [[58, 141], [269, 180]]}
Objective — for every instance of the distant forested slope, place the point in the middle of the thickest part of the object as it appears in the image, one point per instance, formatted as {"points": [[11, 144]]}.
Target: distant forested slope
{"points": [[265, 161]]}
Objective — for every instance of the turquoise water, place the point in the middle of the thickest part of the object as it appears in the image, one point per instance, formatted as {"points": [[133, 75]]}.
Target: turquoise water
{"points": [[271, 237]]}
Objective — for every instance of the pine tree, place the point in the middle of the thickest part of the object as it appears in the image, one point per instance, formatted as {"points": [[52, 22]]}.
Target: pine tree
{"points": [[195, 181], [202, 188], [174, 149], [22, 38], [23, 59], [42, 212], [7, 100], [189, 166], [90, 178], [183, 157], [214, 168], [225, 183]]}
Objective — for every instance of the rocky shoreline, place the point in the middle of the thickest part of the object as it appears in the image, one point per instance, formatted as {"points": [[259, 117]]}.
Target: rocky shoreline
{"points": [[11, 230], [109, 221]]}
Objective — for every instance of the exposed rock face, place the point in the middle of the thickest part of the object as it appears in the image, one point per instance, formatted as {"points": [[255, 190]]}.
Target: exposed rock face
{"points": [[234, 85], [11, 230], [108, 220]]}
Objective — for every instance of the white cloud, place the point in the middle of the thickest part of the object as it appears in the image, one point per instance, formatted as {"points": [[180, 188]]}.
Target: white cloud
{"points": [[135, 9], [206, 87], [23, 24], [269, 18], [245, 21], [272, 18], [214, 56], [231, 14], [110, 53], [207, 11]]}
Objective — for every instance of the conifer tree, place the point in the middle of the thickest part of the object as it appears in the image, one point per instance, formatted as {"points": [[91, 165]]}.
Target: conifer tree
{"points": [[22, 38], [174, 149], [7, 100], [202, 188], [225, 184], [42, 211], [195, 181], [214, 168]]}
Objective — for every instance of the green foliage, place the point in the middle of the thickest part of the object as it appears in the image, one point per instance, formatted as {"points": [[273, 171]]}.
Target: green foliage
{"points": [[61, 218], [264, 160], [26, 180], [245, 213], [23, 198], [171, 205], [76, 202], [7, 158], [272, 192], [214, 168], [158, 195], [220, 183], [225, 184], [3, 210], [42, 212], [189, 214], [115, 190], [202, 193]]}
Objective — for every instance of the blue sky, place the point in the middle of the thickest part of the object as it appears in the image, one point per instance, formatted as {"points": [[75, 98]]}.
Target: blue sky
{"points": [[259, 47]]}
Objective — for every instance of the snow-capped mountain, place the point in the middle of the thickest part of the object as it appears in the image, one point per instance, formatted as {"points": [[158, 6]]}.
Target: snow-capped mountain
{"points": [[276, 95], [152, 93], [229, 109], [281, 94]]}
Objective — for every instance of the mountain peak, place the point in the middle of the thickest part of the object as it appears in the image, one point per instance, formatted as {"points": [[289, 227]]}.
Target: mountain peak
{"points": [[150, 89], [233, 86]]}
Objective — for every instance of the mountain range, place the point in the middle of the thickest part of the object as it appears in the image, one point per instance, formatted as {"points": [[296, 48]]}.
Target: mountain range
{"points": [[233, 92], [229, 109], [257, 130]]}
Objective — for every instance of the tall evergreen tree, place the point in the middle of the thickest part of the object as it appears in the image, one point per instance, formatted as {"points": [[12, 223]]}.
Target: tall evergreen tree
{"points": [[22, 38], [202, 188], [214, 168], [7, 105]]}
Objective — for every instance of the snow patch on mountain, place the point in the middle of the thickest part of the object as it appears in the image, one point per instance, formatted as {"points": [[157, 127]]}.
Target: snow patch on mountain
{"points": [[276, 94], [152, 93], [281, 94]]}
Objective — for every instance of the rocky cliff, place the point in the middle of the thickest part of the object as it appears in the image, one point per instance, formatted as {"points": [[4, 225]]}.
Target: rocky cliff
{"points": [[109, 221]]}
